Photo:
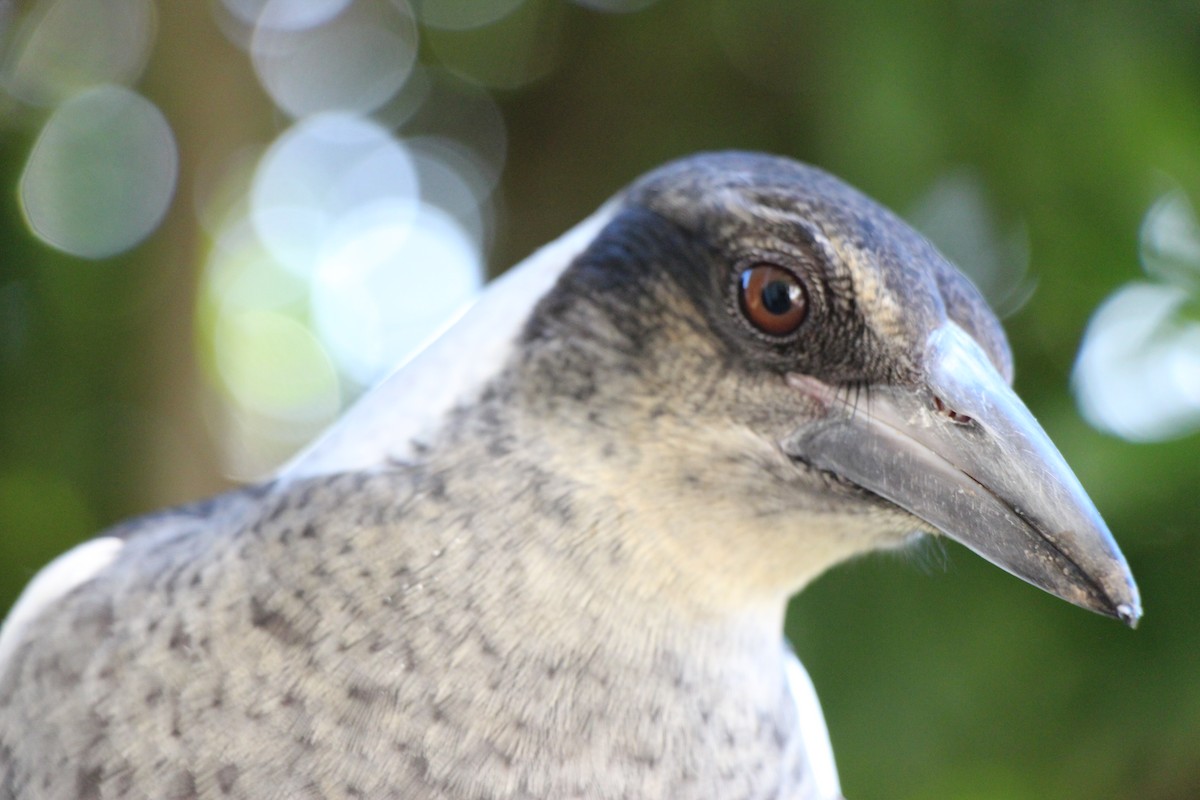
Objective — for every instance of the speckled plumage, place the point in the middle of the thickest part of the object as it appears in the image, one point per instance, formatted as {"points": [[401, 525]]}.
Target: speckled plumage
{"points": [[565, 578], [354, 662]]}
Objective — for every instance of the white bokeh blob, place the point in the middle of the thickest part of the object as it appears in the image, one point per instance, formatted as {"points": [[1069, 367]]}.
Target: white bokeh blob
{"points": [[354, 62], [101, 174], [1137, 375], [387, 288], [318, 173], [291, 15], [65, 46], [1170, 241]]}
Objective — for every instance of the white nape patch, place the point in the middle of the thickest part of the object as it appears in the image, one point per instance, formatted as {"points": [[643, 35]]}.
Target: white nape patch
{"points": [[813, 730], [71, 569], [449, 371]]}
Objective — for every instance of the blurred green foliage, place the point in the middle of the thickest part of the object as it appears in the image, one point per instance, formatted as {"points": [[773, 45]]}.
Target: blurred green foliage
{"points": [[941, 677]]}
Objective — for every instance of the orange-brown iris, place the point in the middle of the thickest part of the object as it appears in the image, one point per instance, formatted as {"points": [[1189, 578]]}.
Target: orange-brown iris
{"points": [[773, 299]]}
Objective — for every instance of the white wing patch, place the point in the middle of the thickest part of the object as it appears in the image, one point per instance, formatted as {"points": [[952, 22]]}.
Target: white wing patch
{"points": [[71, 569], [813, 730], [450, 370]]}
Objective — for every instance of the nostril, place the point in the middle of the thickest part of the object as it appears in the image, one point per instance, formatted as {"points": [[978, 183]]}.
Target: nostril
{"points": [[945, 410]]}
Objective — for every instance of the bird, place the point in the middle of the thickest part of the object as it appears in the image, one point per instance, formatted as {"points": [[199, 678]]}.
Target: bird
{"points": [[549, 556]]}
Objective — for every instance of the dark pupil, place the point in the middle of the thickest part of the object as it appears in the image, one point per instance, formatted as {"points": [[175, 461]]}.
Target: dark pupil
{"points": [[777, 297]]}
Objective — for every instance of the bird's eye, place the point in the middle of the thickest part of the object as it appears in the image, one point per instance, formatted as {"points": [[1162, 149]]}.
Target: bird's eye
{"points": [[772, 299]]}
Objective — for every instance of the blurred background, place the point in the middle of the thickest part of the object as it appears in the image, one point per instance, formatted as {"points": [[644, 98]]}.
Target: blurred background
{"points": [[221, 221]]}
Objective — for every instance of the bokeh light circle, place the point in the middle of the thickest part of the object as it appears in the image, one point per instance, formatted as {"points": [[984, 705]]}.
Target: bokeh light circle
{"points": [[289, 15], [64, 47], [387, 288], [318, 172], [1137, 375], [101, 173], [271, 364], [355, 62]]}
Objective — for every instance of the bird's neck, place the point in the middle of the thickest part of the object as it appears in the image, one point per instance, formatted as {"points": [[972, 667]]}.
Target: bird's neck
{"points": [[576, 639], [597, 517], [565, 644]]}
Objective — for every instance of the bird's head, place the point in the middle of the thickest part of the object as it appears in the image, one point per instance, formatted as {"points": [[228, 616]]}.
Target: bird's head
{"points": [[785, 374], [769, 373]]}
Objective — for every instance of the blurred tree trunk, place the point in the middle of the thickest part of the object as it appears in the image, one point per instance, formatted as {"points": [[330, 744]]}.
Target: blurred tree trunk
{"points": [[204, 85]]}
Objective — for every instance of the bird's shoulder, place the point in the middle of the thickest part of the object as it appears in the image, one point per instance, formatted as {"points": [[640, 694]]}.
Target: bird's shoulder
{"points": [[81, 565], [151, 555]]}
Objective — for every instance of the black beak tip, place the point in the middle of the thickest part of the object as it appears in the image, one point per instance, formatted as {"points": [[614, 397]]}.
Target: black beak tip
{"points": [[1117, 599]]}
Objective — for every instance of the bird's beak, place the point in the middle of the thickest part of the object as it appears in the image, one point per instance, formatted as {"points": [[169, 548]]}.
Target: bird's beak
{"points": [[964, 454]]}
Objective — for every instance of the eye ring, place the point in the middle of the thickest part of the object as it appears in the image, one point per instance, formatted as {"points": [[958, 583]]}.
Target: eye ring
{"points": [[772, 299]]}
